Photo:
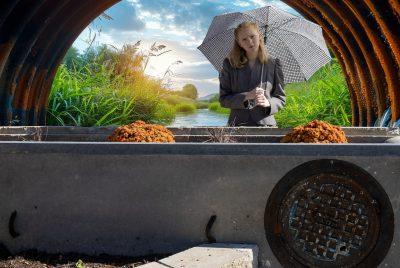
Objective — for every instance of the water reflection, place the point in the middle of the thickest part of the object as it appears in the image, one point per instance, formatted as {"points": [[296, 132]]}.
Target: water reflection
{"points": [[202, 117]]}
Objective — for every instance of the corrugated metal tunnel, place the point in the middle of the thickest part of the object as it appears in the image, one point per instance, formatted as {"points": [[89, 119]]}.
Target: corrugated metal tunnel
{"points": [[36, 34]]}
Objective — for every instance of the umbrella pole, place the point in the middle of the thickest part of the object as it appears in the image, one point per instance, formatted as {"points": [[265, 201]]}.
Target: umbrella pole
{"points": [[265, 43], [252, 102]]}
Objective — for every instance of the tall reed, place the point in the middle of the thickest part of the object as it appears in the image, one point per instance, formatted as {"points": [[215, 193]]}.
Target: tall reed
{"points": [[109, 88], [324, 97]]}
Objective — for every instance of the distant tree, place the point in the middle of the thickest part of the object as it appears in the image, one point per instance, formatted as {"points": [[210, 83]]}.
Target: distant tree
{"points": [[189, 91], [72, 58], [214, 98]]}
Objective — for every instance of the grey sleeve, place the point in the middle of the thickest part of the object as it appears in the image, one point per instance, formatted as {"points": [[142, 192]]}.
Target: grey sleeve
{"points": [[227, 98], [277, 98]]}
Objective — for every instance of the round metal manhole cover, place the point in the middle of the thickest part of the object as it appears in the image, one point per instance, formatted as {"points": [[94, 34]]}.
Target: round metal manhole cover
{"points": [[329, 213]]}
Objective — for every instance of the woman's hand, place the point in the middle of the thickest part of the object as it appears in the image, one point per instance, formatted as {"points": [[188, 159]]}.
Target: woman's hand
{"points": [[252, 95], [262, 101]]}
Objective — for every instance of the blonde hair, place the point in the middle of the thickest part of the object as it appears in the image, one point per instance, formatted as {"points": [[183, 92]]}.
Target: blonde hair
{"points": [[237, 57]]}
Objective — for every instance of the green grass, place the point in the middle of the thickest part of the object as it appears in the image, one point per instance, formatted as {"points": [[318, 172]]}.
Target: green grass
{"points": [[110, 88], [202, 104], [185, 108], [173, 99], [324, 97], [216, 107], [96, 97]]}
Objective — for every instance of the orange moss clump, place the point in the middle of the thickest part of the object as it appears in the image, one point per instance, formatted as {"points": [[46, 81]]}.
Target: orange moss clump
{"points": [[316, 132], [139, 131]]}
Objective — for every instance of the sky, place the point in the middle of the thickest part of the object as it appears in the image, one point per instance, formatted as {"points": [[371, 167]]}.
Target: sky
{"points": [[180, 25]]}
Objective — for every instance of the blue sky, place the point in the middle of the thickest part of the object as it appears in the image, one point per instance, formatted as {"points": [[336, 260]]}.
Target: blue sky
{"points": [[180, 25]]}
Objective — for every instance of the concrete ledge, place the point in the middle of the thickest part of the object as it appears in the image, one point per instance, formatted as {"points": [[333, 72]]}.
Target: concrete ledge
{"points": [[212, 255]]}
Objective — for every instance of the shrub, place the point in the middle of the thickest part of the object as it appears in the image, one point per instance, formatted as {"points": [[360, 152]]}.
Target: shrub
{"points": [[185, 108], [216, 107], [202, 105]]}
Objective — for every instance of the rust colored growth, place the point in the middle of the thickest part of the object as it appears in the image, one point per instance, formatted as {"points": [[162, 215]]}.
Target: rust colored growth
{"points": [[139, 131], [316, 132]]}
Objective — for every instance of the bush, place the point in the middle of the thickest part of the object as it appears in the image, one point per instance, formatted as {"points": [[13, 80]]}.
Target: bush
{"points": [[185, 108], [216, 107], [173, 99], [215, 98], [202, 105], [189, 91]]}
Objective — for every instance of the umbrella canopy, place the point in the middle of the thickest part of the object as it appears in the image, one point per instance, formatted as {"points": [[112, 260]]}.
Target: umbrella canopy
{"points": [[297, 42]]}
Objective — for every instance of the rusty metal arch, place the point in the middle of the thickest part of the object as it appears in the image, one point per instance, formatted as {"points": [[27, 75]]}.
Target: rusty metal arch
{"points": [[35, 35]]}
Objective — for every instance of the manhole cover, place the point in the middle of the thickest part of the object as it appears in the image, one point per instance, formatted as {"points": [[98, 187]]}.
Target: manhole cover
{"points": [[328, 213], [330, 218]]}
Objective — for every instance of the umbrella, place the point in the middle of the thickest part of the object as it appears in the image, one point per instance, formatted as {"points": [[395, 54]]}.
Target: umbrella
{"points": [[297, 42]]}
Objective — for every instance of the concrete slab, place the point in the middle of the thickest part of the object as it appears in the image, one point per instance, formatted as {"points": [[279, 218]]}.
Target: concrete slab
{"points": [[212, 255], [393, 140], [146, 199]]}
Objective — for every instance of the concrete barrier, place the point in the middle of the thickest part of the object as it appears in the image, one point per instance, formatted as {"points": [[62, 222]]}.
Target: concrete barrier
{"points": [[143, 199]]}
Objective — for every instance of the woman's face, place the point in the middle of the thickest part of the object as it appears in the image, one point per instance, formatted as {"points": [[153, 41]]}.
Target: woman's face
{"points": [[249, 40]]}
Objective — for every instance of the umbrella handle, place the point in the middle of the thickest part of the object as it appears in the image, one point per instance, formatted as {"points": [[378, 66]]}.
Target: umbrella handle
{"points": [[262, 71]]}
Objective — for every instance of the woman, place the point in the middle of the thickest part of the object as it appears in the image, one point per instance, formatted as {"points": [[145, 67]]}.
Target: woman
{"points": [[252, 103]]}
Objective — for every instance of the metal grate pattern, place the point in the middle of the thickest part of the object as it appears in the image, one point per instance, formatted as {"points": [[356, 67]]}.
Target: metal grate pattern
{"points": [[329, 213], [329, 218]]}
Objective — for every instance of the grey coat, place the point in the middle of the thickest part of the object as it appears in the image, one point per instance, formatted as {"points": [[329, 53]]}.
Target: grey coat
{"points": [[235, 83]]}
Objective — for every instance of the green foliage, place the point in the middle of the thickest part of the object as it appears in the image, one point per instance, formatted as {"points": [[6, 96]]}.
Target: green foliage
{"points": [[174, 99], [181, 102], [72, 59], [80, 264], [216, 107], [185, 108], [189, 91], [215, 98], [324, 97], [202, 104], [164, 114], [108, 88]]}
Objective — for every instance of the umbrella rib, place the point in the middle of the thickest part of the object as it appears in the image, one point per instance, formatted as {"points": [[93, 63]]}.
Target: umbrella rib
{"points": [[259, 22], [286, 22], [287, 30]]}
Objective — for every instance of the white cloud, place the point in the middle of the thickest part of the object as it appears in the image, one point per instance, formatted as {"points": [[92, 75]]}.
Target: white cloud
{"points": [[241, 4], [198, 63], [191, 44], [177, 32], [153, 25], [258, 3], [144, 14]]}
